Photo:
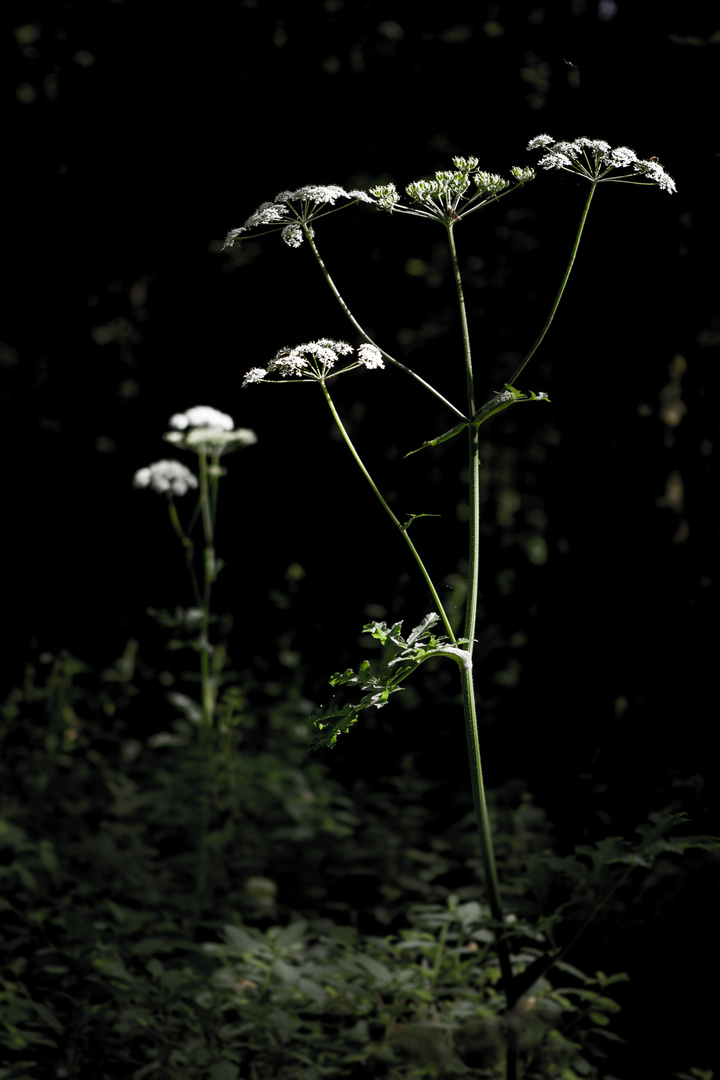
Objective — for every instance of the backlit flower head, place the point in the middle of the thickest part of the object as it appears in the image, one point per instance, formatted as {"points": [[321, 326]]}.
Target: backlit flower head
{"points": [[203, 428], [451, 194], [166, 476], [596, 160], [291, 212], [315, 361], [202, 416]]}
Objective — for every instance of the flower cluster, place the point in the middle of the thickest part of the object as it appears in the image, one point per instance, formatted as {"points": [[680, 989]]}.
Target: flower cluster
{"points": [[595, 159], [166, 476], [202, 416], [315, 360], [204, 429], [450, 191], [293, 211]]}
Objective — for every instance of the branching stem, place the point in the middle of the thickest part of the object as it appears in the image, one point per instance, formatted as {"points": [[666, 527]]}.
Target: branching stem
{"points": [[366, 337]]}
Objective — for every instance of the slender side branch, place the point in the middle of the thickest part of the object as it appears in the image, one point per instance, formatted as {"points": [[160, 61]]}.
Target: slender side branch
{"points": [[386, 508], [358, 327], [474, 460], [561, 290]]}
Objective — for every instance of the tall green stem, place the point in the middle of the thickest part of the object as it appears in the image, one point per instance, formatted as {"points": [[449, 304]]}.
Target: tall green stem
{"points": [[561, 290], [188, 548], [468, 688], [388, 511]]}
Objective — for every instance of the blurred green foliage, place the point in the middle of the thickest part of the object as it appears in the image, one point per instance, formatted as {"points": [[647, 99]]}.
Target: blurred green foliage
{"points": [[215, 910]]}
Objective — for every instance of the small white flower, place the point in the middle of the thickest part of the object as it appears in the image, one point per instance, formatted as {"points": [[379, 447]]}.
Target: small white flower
{"points": [[539, 141], [623, 156], [656, 173], [162, 476], [256, 374], [370, 356], [202, 416], [292, 235], [592, 144]]}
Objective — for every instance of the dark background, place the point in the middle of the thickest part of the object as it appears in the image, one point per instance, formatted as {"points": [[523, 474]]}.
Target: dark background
{"points": [[138, 136]]}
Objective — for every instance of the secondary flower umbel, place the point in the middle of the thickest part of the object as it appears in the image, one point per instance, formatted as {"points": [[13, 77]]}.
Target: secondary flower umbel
{"points": [[314, 361], [595, 160], [166, 476], [204, 429], [293, 211], [450, 192]]}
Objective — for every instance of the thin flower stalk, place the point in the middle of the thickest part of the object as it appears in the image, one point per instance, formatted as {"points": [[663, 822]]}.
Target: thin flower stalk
{"points": [[487, 848], [403, 529], [595, 160], [366, 337], [556, 303]]}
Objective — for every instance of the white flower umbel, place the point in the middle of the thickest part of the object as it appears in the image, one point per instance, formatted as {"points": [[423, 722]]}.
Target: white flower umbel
{"points": [[166, 476], [314, 361], [596, 160], [451, 195], [203, 428], [292, 212], [201, 416]]}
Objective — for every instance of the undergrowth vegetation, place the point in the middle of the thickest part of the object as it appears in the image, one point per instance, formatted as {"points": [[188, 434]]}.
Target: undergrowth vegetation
{"points": [[177, 908]]}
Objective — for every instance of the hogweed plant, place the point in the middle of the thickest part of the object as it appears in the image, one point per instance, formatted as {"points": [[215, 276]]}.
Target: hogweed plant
{"points": [[447, 200], [208, 434]]}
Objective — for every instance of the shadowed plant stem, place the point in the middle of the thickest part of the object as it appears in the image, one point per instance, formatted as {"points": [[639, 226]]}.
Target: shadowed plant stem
{"points": [[208, 578]]}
